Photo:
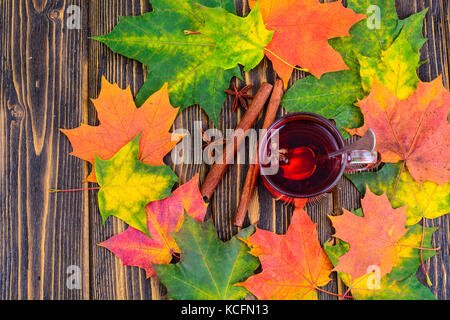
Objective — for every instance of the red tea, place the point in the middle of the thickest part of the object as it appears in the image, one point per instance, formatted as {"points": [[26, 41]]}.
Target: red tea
{"points": [[304, 167]]}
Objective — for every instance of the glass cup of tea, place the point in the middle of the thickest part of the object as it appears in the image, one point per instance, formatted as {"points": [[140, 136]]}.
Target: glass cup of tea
{"points": [[294, 157]]}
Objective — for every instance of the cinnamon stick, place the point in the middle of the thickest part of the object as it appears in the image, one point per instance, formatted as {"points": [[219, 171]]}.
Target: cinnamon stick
{"points": [[219, 169], [253, 171]]}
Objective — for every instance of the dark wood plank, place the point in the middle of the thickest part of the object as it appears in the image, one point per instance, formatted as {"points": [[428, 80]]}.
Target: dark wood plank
{"points": [[110, 279], [42, 88]]}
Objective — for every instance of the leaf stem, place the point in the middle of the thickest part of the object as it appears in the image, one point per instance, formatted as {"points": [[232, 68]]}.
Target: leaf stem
{"points": [[398, 180], [188, 32], [175, 254], [284, 61], [419, 248]]}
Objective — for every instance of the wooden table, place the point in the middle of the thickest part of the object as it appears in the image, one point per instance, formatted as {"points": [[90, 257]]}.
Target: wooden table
{"points": [[48, 74]]}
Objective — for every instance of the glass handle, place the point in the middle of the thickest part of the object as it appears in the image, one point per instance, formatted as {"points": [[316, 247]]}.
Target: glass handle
{"points": [[362, 160]]}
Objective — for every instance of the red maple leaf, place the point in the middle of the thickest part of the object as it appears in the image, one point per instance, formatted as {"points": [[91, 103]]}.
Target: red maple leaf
{"points": [[163, 217], [294, 265]]}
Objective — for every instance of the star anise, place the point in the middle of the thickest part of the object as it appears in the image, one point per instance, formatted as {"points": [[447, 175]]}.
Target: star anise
{"points": [[240, 96]]}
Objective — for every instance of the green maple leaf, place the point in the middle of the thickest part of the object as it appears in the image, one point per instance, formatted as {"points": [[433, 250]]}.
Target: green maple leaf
{"points": [[429, 200], [409, 258], [204, 86], [396, 69], [364, 41], [390, 53], [209, 268], [401, 283], [367, 42], [333, 97], [345, 47], [157, 39], [412, 26], [371, 41], [127, 185], [239, 40]]}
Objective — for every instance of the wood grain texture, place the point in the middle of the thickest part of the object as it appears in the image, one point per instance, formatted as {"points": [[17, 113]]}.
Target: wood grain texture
{"points": [[109, 279], [47, 74], [43, 88]]}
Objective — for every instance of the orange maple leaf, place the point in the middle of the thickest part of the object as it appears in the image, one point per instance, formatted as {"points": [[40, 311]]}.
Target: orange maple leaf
{"points": [[414, 130], [302, 29], [373, 238], [163, 217], [294, 264], [120, 122]]}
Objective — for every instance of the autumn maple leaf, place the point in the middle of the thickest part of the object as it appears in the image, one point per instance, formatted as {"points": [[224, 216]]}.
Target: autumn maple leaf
{"points": [[373, 239], [120, 122], [414, 130], [401, 283], [408, 192], [294, 265], [163, 217], [302, 29], [209, 269]]}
